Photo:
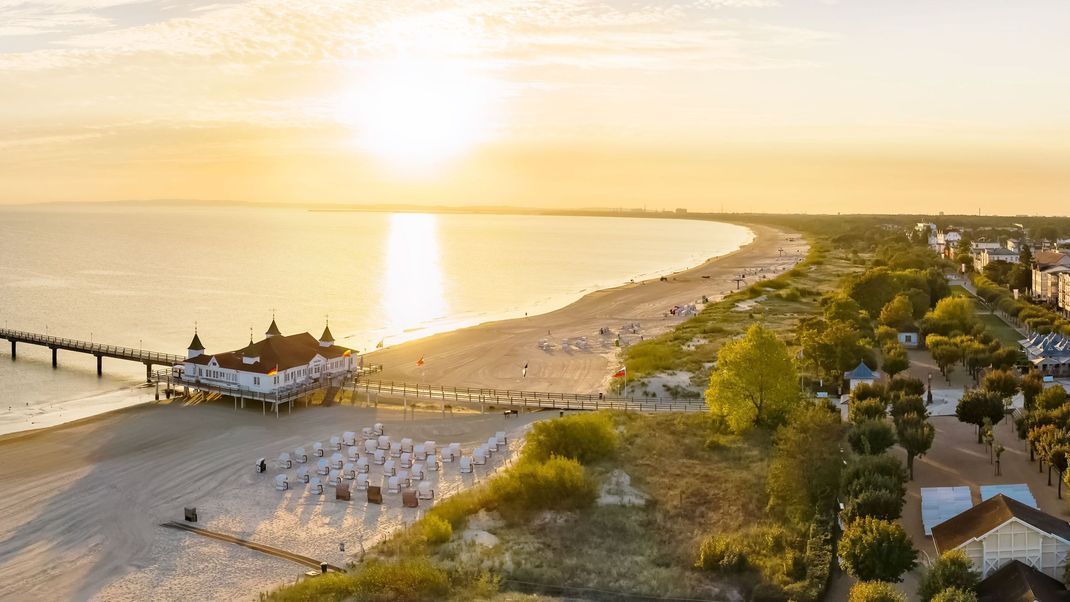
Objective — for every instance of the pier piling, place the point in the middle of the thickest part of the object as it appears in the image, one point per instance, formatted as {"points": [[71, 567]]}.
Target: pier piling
{"points": [[12, 349], [54, 351], [100, 365]]}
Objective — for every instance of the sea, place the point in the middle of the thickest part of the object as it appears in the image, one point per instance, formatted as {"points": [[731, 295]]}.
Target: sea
{"points": [[149, 276]]}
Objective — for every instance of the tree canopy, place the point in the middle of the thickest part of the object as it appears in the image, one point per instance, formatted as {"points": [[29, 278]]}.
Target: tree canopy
{"points": [[877, 550], [755, 382]]}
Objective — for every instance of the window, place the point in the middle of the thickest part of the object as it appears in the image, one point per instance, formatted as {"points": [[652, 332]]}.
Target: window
{"points": [[256, 380]]}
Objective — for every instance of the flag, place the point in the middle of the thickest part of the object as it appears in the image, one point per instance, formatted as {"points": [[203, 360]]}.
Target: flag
{"points": [[379, 345], [420, 362], [620, 373], [347, 353], [525, 369], [274, 370]]}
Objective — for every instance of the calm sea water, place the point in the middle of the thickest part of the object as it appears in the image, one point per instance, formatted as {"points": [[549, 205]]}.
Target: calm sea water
{"points": [[140, 276]]}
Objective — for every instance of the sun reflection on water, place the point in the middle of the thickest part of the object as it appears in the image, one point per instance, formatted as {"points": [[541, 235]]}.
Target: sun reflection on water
{"points": [[414, 292]]}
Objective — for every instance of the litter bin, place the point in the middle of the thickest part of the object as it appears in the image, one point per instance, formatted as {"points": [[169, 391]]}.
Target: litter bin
{"points": [[323, 567], [191, 515]]}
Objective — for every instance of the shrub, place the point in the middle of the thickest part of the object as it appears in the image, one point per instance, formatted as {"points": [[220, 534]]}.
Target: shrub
{"points": [[407, 580], [866, 409], [875, 503], [865, 466], [875, 591], [457, 508], [871, 437], [952, 569], [414, 580], [722, 553], [585, 438], [435, 529], [818, 562], [556, 484], [874, 549], [875, 482], [954, 594]]}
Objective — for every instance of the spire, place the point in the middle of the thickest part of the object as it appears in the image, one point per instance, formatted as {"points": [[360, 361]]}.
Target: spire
{"points": [[274, 328], [327, 339], [195, 347], [195, 344]]}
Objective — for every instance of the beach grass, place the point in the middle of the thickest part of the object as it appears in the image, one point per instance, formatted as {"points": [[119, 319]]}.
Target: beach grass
{"points": [[788, 298]]}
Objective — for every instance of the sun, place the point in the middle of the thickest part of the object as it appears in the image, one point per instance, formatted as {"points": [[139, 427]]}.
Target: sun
{"points": [[417, 114]]}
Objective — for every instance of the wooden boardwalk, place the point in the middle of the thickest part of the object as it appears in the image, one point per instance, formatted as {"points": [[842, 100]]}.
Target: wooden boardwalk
{"points": [[522, 399], [98, 350], [252, 545]]}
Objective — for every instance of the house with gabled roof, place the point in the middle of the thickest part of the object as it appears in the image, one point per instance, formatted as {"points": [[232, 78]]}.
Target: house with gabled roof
{"points": [[1000, 530], [1018, 582]]}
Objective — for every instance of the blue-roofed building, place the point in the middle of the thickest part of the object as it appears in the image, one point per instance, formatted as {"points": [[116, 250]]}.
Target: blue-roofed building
{"points": [[861, 374]]}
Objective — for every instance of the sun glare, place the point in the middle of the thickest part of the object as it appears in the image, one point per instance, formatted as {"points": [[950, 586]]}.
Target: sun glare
{"points": [[418, 114]]}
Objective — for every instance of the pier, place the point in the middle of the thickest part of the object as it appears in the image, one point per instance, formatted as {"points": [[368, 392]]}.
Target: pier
{"points": [[521, 399], [98, 350]]}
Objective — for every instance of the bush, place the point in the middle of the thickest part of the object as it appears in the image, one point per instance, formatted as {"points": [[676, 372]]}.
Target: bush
{"points": [[875, 503], [875, 591], [408, 580], [868, 467], [877, 550], [413, 580], [556, 484], [818, 561], [456, 509], [585, 438], [871, 437], [722, 553], [954, 594], [875, 482], [866, 409], [951, 570], [435, 529]]}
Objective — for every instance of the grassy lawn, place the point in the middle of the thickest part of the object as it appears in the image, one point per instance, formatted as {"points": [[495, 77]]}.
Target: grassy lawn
{"points": [[999, 329]]}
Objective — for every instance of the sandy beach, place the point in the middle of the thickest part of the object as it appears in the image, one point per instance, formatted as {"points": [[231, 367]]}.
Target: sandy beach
{"points": [[83, 501], [493, 354]]}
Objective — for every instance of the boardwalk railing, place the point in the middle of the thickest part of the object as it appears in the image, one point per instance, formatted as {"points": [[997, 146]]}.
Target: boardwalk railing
{"points": [[113, 351], [526, 399]]}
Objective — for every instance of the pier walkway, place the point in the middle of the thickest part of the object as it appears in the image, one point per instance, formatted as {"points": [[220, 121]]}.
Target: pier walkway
{"points": [[98, 350], [522, 399]]}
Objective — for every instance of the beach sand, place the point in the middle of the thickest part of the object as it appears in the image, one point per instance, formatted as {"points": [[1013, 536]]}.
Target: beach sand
{"points": [[493, 355], [82, 502]]}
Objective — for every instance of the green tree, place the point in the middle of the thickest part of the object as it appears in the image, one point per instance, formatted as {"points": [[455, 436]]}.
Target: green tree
{"points": [[755, 383], [978, 404], [875, 591], [1003, 382], [895, 360], [871, 437], [915, 436], [875, 503], [866, 409], [945, 357], [804, 468], [898, 313], [877, 550], [1051, 398], [952, 569], [907, 405], [1032, 385], [1025, 256]]}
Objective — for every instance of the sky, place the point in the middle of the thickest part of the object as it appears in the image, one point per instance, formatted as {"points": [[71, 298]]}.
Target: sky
{"points": [[817, 106]]}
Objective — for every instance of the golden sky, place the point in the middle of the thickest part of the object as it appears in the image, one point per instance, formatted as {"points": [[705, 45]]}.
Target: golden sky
{"points": [[768, 105]]}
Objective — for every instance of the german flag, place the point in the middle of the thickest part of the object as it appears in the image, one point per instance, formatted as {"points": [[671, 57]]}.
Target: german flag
{"points": [[274, 370]]}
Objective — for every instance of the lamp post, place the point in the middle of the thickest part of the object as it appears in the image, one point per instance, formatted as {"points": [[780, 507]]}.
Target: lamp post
{"points": [[929, 398]]}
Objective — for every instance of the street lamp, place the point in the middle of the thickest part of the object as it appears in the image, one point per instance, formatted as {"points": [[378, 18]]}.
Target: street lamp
{"points": [[929, 399]]}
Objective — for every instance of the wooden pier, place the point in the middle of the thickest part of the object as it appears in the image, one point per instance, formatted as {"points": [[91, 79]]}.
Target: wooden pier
{"points": [[521, 399], [98, 350]]}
